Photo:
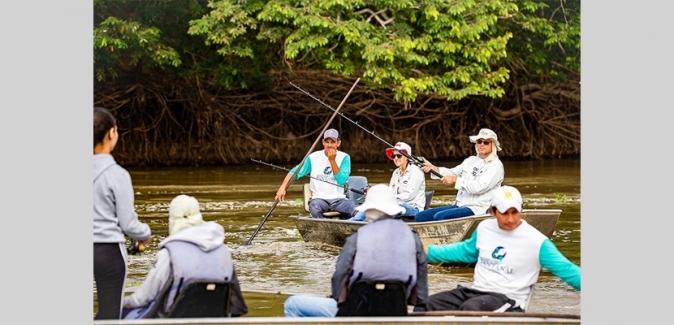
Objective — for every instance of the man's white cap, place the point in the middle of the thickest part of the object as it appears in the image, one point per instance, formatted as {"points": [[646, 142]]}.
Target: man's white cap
{"points": [[506, 197], [383, 198]]}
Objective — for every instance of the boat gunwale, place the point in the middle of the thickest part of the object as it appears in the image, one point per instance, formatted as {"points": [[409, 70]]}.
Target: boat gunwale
{"points": [[414, 223]]}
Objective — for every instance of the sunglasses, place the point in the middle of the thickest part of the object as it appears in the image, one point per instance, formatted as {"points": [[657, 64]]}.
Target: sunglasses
{"points": [[397, 156], [486, 142]]}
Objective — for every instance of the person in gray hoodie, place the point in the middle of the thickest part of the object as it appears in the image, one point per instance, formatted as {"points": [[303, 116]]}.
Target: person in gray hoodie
{"points": [[194, 250], [114, 217]]}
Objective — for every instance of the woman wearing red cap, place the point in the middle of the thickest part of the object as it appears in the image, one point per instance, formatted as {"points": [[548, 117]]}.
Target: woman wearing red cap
{"points": [[408, 181]]}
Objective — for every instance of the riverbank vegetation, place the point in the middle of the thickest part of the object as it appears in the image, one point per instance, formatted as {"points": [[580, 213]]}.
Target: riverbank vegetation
{"points": [[196, 82]]}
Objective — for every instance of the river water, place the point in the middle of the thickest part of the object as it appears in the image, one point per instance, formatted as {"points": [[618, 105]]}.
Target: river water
{"points": [[279, 263]]}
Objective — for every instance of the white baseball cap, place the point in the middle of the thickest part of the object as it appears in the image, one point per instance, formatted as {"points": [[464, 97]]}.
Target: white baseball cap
{"points": [[381, 197], [506, 197]]}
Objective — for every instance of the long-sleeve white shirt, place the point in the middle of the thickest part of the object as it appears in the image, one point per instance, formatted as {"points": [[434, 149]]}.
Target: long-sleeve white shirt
{"points": [[411, 187], [475, 180]]}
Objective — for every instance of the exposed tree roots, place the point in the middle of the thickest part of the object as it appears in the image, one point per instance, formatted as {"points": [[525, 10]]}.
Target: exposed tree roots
{"points": [[176, 122]]}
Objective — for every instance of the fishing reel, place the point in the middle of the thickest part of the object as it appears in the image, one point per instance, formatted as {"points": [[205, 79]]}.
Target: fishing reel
{"points": [[135, 248]]}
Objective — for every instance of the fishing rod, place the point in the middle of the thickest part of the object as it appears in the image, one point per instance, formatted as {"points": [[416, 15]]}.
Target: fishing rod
{"points": [[346, 188], [318, 139], [414, 160]]}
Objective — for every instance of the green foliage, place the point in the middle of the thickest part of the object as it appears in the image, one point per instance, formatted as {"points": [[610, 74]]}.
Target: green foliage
{"points": [[547, 38], [119, 43], [454, 49], [447, 48]]}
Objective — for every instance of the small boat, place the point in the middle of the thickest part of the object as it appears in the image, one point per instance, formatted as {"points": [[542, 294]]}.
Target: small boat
{"points": [[333, 231]]}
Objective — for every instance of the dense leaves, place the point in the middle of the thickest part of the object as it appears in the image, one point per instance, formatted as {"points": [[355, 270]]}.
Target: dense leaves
{"points": [[450, 49], [208, 77]]}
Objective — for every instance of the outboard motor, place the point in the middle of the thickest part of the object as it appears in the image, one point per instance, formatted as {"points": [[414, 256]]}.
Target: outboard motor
{"points": [[355, 188]]}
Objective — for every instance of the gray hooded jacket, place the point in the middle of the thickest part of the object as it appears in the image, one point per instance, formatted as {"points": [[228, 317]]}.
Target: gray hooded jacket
{"points": [[114, 211], [208, 236]]}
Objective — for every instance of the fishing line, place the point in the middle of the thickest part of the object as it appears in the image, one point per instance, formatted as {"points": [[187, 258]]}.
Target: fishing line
{"points": [[415, 160]]}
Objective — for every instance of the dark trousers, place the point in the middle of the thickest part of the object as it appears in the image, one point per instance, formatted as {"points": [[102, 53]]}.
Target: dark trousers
{"points": [[109, 274], [463, 298]]}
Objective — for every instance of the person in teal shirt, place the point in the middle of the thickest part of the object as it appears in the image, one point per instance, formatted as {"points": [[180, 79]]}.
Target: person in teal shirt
{"points": [[329, 170], [508, 254]]}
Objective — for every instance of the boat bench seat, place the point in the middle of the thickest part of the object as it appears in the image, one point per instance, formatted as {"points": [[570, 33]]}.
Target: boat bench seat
{"points": [[374, 298], [196, 300], [429, 198], [354, 191]]}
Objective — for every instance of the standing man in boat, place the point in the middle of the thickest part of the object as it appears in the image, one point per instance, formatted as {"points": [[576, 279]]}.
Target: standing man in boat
{"points": [[384, 249], [508, 253], [193, 251], [475, 178], [114, 217], [408, 181], [329, 170]]}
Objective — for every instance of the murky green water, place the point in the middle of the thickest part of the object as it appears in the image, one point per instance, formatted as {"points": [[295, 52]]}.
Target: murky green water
{"points": [[278, 261]]}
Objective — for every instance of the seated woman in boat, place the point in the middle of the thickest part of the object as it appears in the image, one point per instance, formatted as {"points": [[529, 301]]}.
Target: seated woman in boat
{"points": [[475, 178], [193, 251], [508, 253], [408, 181], [385, 249]]}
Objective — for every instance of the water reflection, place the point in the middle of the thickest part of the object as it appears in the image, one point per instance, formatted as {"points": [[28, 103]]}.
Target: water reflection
{"points": [[279, 263]]}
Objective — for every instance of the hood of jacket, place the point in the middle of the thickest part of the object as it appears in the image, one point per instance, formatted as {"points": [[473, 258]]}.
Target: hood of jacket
{"points": [[208, 236], [101, 162]]}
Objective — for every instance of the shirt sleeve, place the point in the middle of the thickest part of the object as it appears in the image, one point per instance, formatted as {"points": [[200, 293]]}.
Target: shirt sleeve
{"points": [[154, 282], [422, 270], [456, 171], [125, 209], [552, 259], [306, 169], [484, 182], [343, 266], [464, 251], [344, 171]]}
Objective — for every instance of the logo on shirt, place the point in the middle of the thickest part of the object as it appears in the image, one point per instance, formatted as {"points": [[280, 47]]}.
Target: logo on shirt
{"points": [[475, 171], [327, 170], [497, 253]]}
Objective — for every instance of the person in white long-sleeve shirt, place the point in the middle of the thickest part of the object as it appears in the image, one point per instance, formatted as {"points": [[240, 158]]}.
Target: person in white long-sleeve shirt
{"points": [[408, 181], [475, 178], [508, 254]]}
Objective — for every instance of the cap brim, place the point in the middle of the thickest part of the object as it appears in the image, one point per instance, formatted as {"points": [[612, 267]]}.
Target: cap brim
{"points": [[504, 207], [473, 138], [389, 153]]}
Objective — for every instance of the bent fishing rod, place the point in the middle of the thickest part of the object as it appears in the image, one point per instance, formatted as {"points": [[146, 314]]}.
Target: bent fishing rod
{"points": [[318, 139], [414, 160], [346, 188]]}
